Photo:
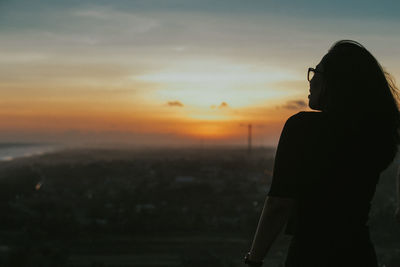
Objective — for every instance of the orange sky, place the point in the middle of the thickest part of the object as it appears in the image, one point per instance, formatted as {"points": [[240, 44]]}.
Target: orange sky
{"points": [[158, 76]]}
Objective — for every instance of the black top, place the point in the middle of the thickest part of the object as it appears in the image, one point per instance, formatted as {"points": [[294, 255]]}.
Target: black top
{"points": [[329, 169]]}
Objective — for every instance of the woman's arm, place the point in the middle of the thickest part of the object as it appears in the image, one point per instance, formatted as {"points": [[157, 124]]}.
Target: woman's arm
{"points": [[283, 191], [274, 216]]}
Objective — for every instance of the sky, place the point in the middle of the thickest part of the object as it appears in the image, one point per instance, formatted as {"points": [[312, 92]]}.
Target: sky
{"points": [[172, 72]]}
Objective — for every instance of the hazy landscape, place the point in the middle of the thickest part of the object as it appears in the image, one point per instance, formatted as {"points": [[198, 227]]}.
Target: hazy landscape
{"points": [[150, 207]]}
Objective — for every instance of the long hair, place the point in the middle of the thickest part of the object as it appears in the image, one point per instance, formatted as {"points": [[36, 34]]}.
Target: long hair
{"points": [[359, 91]]}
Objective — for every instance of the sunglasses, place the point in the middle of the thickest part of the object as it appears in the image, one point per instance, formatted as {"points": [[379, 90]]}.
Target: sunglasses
{"points": [[311, 72]]}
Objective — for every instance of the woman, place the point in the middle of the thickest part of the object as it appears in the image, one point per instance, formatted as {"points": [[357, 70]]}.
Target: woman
{"points": [[328, 163]]}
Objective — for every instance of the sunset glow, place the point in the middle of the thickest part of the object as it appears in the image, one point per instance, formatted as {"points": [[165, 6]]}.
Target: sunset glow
{"points": [[167, 74]]}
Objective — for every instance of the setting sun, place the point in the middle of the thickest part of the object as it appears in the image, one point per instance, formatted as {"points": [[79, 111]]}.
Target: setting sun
{"points": [[78, 74]]}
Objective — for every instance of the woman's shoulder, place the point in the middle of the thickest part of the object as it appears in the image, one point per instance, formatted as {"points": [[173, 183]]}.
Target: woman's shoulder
{"points": [[305, 117], [305, 123], [300, 129]]}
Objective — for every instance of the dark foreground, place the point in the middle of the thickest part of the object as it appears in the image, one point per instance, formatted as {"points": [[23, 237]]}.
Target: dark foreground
{"points": [[170, 207]]}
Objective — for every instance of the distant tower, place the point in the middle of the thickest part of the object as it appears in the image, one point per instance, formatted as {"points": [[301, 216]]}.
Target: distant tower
{"points": [[249, 139]]}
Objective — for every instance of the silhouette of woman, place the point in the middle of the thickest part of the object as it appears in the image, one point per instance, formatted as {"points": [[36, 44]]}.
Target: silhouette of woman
{"points": [[328, 163]]}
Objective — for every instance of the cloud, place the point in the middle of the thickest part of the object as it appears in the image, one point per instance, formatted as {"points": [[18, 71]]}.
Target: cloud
{"points": [[223, 105], [294, 104], [110, 19], [175, 104]]}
